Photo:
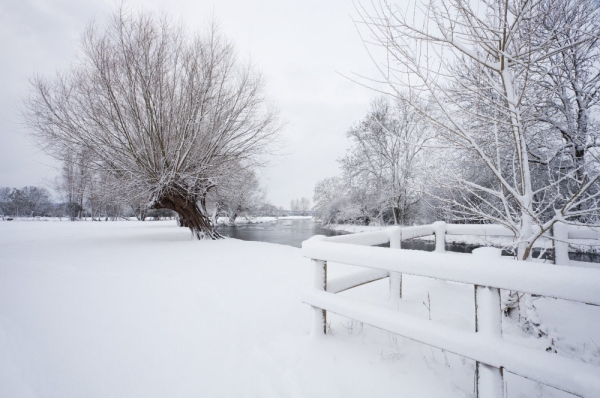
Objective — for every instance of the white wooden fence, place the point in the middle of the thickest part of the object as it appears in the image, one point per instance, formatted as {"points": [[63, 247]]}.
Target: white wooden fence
{"points": [[485, 345]]}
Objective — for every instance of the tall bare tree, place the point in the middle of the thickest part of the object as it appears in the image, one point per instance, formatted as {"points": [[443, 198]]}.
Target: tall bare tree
{"points": [[386, 157], [382, 171], [163, 112], [74, 184]]}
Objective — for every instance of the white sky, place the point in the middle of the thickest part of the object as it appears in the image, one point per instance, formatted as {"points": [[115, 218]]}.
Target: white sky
{"points": [[300, 47]]}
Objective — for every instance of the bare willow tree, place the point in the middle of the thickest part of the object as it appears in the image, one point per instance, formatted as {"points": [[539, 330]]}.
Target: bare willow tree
{"points": [[471, 68], [163, 112]]}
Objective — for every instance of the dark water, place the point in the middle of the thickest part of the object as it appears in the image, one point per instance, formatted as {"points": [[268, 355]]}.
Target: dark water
{"points": [[294, 232]]}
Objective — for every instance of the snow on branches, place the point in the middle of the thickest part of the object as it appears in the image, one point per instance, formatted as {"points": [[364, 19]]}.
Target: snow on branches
{"points": [[509, 86]]}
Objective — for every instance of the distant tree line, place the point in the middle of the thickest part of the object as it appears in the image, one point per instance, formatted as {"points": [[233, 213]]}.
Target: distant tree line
{"points": [[32, 202], [301, 205], [26, 202]]}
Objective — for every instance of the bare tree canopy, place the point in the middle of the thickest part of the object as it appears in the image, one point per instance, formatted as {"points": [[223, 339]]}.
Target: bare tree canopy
{"points": [[163, 112], [382, 171]]}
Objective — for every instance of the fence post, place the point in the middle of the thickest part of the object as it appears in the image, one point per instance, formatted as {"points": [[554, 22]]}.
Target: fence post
{"points": [[560, 232], [320, 315], [439, 229], [395, 277], [489, 380]]}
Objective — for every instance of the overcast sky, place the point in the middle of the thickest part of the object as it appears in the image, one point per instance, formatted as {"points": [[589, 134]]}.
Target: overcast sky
{"points": [[300, 46]]}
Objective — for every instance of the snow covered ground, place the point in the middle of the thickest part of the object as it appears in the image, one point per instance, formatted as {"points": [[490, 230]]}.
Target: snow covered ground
{"points": [[126, 309]]}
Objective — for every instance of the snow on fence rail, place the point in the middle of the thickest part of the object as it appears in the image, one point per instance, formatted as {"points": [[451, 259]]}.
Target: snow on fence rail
{"points": [[561, 235], [486, 346]]}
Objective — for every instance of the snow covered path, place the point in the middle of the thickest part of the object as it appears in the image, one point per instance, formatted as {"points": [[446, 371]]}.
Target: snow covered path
{"points": [[132, 309]]}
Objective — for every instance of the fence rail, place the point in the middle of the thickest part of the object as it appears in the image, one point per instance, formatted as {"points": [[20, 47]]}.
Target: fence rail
{"points": [[487, 275], [562, 233]]}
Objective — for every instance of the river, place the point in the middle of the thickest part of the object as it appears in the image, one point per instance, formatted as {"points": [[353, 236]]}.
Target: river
{"points": [[283, 232]]}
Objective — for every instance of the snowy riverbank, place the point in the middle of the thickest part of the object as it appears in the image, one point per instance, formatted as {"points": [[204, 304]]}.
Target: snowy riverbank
{"points": [[126, 309], [259, 220]]}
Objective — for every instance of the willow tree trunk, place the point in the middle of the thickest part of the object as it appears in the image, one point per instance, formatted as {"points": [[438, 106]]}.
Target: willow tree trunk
{"points": [[191, 215]]}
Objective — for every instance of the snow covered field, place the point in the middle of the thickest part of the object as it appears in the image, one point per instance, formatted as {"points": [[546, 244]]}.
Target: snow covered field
{"points": [[126, 309]]}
